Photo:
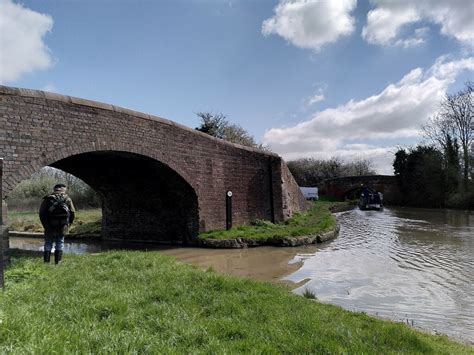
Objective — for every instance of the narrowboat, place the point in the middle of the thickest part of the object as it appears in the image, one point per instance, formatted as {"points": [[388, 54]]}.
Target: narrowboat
{"points": [[370, 200]]}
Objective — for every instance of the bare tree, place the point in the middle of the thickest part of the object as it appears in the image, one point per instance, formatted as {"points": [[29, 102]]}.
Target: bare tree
{"points": [[311, 172], [439, 130], [360, 167], [459, 110], [453, 124]]}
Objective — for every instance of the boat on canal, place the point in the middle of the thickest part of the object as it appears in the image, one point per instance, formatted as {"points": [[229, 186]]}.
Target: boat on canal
{"points": [[370, 200]]}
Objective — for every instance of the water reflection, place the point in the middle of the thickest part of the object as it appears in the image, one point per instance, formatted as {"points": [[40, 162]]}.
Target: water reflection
{"points": [[406, 264]]}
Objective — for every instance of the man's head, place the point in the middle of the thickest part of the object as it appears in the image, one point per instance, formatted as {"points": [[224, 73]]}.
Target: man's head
{"points": [[60, 189]]}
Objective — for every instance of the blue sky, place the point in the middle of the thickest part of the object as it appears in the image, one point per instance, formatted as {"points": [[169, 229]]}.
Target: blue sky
{"points": [[310, 78]]}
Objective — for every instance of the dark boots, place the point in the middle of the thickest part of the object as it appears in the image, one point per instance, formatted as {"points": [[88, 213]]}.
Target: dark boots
{"points": [[57, 256]]}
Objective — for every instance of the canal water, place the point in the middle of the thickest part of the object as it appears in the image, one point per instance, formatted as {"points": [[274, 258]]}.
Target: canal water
{"points": [[409, 265]]}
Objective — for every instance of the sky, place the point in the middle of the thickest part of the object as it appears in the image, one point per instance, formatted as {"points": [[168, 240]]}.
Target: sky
{"points": [[309, 78]]}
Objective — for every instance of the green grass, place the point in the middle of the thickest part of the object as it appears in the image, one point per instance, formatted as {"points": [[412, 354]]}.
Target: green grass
{"points": [[326, 198], [87, 222], [315, 220], [138, 302]]}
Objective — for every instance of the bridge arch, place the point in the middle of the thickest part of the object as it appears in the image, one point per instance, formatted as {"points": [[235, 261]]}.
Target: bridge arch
{"points": [[147, 200], [353, 193], [154, 202], [50, 156], [350, 186]]}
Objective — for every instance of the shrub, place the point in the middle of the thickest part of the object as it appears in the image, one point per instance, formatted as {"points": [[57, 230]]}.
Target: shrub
{"points": [[307, 293]]}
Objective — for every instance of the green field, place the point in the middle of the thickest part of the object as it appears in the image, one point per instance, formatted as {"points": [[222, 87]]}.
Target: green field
{"points": [[144, 302]]}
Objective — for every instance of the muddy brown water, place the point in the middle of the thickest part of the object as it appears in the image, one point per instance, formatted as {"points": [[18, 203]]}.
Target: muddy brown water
{"points": [[404, 264]]}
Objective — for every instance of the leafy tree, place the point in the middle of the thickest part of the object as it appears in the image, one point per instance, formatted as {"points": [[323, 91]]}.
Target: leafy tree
{"points": [[400, 167], [421, 176], [452, 164], [217, 125], [213, 124]]}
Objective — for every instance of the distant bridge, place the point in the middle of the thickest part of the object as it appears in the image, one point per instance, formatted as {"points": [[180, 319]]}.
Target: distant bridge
{"points": [[350, 187]]}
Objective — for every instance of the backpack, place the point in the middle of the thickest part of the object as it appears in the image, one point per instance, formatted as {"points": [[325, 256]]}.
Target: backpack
{"points": [[58, 211]]}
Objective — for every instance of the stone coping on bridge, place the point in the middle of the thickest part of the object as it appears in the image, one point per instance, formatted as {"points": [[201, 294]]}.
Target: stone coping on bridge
{"points": [[8, 90]]}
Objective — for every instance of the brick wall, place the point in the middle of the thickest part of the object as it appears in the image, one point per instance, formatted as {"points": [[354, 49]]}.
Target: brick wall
{"points": [[159, 180]]}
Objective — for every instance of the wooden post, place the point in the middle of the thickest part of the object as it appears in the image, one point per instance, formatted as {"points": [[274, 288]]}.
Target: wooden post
{"points": [[228, 210]]}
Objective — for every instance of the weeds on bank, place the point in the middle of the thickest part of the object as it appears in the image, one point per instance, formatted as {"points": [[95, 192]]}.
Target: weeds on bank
{"points": [[315, 220], [139, 302], [307, 293]]}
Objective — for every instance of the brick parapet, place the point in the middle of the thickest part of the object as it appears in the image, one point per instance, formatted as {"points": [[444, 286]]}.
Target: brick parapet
{"points": [[7, 90]]}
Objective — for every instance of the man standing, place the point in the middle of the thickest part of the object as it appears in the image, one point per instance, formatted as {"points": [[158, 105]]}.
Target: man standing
{"points": [[56, 214]]}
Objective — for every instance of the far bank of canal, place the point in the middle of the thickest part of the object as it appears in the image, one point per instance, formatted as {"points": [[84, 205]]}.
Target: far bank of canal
{"points": [[411, 265]]}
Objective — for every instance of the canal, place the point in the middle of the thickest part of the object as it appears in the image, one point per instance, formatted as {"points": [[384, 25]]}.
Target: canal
{"points": [[404, 264], [410, 265]]}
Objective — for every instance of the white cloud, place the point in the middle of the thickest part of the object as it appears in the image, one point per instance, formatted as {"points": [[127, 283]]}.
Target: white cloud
{"points": [[317, 96], [386, 20], [311, 23], [357, 128], [22, 49], [315, 99], [417, 39], [50, 88]]}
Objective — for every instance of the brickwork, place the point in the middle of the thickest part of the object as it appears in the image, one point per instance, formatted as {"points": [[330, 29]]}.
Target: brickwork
{"points": [[159, 180]]}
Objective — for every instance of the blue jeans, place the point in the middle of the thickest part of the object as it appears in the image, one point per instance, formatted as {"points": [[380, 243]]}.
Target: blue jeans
{"points": [[58, 240]]}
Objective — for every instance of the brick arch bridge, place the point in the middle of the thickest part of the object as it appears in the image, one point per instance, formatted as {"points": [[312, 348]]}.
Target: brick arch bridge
{"points": [[350, 186], [160, 181]]}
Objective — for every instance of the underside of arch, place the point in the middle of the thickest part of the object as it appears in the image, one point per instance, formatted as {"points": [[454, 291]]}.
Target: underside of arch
{"points": [[143, 199], [353, 193]]}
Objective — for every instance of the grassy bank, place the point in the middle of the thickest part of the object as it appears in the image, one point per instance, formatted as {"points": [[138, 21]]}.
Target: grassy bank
{"points": [[315, 220], [87, 222], [137, 302]]}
